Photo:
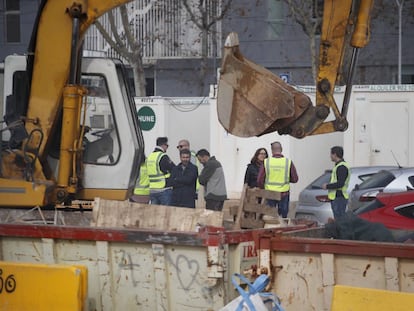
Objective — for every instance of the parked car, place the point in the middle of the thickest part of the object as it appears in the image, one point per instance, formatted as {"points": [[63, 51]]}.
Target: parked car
{"points": [[395, 180], [313, 203], [395, 210]]}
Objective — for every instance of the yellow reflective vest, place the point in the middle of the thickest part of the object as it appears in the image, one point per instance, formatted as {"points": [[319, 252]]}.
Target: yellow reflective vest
{"points": [[156, 176], [142, 184], [277, 174], [334, 179]]}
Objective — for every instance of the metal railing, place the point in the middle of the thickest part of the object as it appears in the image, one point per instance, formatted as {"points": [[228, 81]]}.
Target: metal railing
{"points": [[163, 29]]}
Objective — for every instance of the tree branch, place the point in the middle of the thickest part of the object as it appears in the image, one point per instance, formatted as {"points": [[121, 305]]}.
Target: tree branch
{"points": [[108, 38]]}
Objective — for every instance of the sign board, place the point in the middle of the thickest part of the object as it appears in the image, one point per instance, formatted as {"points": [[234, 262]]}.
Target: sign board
{"points": [[285, 77], [146, 117]]}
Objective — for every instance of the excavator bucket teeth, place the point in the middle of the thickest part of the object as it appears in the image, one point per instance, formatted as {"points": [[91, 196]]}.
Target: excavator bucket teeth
{"points": [[251, 100]]}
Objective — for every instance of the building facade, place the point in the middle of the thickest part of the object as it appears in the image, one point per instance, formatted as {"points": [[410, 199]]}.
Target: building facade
{"points": [[268, 36]]}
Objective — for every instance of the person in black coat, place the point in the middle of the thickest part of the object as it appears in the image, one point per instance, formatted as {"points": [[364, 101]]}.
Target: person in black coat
{"points": [[250, 177], [183, 179]]}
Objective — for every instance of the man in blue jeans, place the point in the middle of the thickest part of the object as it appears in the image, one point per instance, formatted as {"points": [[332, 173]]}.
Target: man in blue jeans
{"points": [[159, 167], [276, 174], [338, 185]]}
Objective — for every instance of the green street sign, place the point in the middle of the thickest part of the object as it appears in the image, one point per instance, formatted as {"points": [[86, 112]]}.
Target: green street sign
{"points": [[146, 117]]}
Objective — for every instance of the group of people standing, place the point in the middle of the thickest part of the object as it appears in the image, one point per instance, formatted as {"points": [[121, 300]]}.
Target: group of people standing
{"points": [[275, 173], [164, 183]]}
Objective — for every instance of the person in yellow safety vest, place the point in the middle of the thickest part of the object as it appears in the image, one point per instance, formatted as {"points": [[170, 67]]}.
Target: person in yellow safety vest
{"points": [[185, 144], [142, 190], [276, 174], [338, 185], [159, 167]]}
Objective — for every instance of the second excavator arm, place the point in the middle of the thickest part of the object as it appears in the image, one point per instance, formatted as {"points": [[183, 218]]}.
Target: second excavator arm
{"points": [[252, 101]]}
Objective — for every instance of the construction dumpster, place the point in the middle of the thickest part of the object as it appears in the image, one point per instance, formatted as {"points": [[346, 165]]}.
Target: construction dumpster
{"points": [[141, 269], [304, 267]]}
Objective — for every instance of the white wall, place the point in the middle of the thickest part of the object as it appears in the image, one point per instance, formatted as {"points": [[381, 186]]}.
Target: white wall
{"points": [[381, 121], [386, 108], [380, 117], [178, 118]]}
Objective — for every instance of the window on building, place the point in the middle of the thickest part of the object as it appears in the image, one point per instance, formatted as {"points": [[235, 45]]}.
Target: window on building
{"points": [[12, 20], [407, 79]]}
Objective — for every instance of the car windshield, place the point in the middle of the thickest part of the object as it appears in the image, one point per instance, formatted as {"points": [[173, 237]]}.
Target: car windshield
{"points": [[380, 179], [318, 182]]}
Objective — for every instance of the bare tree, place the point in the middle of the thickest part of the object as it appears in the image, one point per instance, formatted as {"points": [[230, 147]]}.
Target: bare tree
{"points": [[205, 14], [308, 14], [126, 45]]}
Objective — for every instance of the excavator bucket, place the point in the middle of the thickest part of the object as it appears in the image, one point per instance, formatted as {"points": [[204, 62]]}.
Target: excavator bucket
{"points": [[251, 100]]}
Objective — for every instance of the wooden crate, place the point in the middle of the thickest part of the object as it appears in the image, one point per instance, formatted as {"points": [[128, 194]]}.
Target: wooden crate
{"points": [[253, 211]]}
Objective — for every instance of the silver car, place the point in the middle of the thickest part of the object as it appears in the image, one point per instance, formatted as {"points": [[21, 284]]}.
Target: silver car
{"points": [[313, 203], [395, 180]]}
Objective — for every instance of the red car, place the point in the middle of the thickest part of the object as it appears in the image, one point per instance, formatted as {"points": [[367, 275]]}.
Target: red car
{"points": [[394, 210]]}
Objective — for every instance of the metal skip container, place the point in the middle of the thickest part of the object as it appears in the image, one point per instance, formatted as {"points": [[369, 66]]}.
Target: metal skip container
{"points": [[304, 267], [140, 269]]}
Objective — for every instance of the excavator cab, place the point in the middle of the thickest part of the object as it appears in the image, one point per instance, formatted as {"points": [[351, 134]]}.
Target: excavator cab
{"points": [[110, 142], [75, 135], [252, 101]]}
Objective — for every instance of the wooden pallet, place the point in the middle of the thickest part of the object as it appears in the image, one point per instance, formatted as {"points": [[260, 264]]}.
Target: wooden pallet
{"points": [[252, 210]]}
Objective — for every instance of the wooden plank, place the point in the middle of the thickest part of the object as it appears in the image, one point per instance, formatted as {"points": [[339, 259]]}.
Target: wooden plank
{"points": [[262, 193], [240, 212], [251, 223], [266, 210], [125, 214], [233, 210]]}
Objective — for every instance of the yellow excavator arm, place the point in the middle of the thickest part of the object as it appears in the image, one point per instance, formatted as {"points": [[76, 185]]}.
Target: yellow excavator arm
{"points": [[56, 96], [252, 101], [62, 25]]}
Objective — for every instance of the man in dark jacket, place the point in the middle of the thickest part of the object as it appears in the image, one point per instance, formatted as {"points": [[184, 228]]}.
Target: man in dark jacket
{"points": [[338, 185], [183, 180], [212, 178]]}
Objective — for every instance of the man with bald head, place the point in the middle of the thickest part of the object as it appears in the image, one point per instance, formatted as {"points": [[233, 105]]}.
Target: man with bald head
{"points": [[276, 174], [185, 144]]}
